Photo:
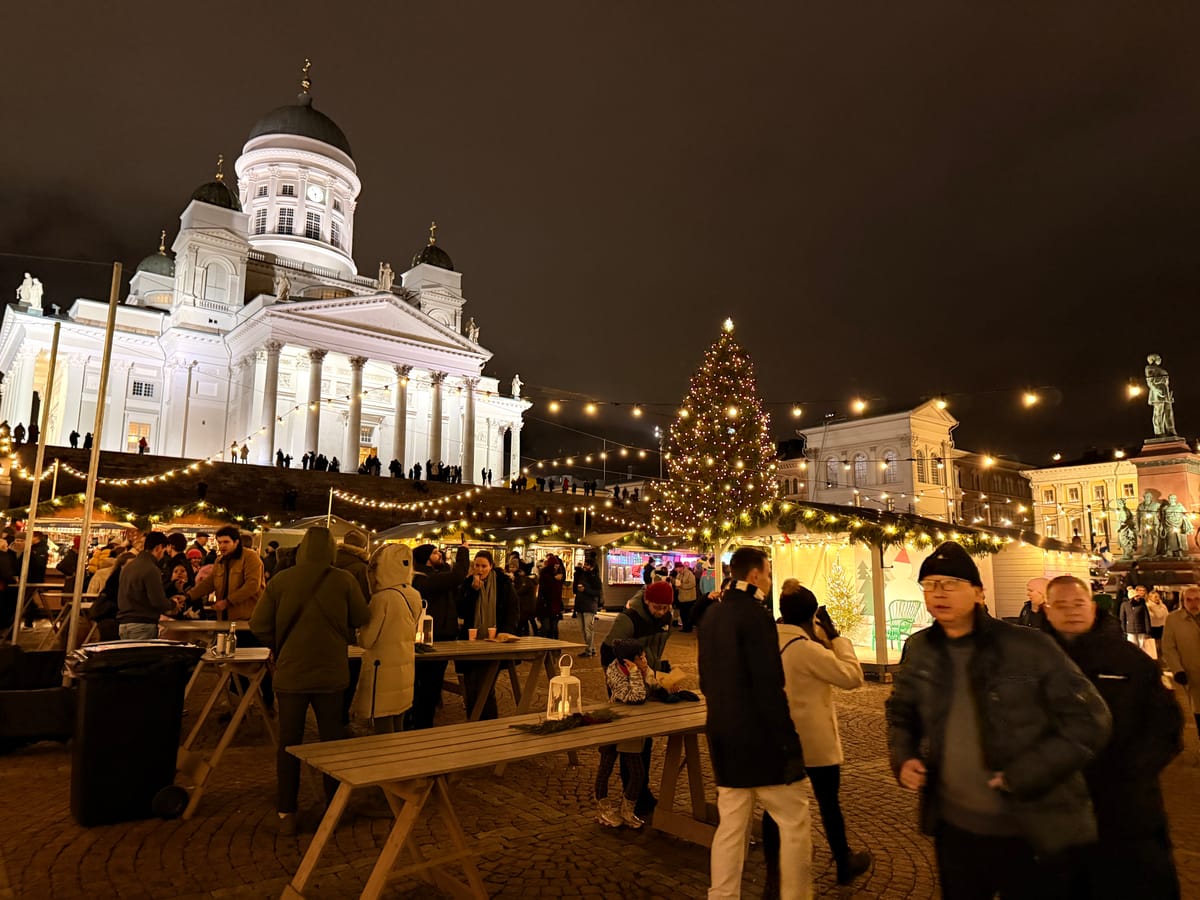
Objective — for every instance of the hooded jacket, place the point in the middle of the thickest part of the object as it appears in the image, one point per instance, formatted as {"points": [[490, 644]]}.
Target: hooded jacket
{"points": [[439, 588], [354, 560], [1147, 731], [389, 635], [1041, 723], [811, 672], [308, 615], [236, 577], [588, 589], [635, 621]]}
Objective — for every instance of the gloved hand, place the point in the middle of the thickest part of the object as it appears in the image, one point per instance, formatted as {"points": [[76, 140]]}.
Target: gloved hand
{"points": [[664, 666], [687, 695], [826, 623], [1180, 678]]}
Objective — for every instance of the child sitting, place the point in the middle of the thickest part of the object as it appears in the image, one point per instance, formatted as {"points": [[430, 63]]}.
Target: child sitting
{"points": [[629, 679]]}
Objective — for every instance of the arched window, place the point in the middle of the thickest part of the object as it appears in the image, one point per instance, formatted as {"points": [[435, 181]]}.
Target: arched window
{"points": [[831, 472], [860, 470], [795, 485], [216, 283], [922, 471], [891, 470]]}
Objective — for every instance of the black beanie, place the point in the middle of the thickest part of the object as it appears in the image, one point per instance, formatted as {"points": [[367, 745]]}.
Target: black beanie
{"points": [[627, 648], [798, 606], [421, 555], [951, 560]]}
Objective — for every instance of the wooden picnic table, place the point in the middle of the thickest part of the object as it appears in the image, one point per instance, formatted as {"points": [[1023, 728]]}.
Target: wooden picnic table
{"points": [[249, 662], [413, 767], [60, 615]]}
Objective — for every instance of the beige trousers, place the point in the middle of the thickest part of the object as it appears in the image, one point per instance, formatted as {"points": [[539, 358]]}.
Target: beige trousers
{"points": [[788, 806]]}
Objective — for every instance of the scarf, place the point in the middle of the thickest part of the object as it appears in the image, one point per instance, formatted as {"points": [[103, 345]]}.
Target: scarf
{"points": [[485, 609]]}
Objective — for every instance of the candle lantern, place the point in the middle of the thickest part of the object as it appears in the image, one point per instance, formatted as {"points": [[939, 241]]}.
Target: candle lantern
{"points": [[425, 626], [566, 693]]}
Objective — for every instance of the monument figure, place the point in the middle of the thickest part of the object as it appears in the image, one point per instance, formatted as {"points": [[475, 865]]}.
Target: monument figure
{"points": [[1127, 531], [386, 277], [1159, 396], [472, 331], [516, 387], [283, 286], [1177, 525], [30, 291], [1149, 525]]}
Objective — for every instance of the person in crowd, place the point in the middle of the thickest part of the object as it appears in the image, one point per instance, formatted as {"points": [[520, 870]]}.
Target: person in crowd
{"points": [[589, 591], [438, 585], [685, 591], [994, 725], [68, 563], [648, 570], [753, 744], [525, 586], [73, 437], [1158, 612], [816, 659], [141, 600], [245, 453], [180, 581], [174, 554], [1135, 618], [308, 615], [485, 600], [352, 556], [628, 678], [271, 560], [105, 607], [87, 441], [549, 596], [201, 544], [195, 560], [1181, 647], [236, 578], [1031, 615], [1132, 856], [385, 694]]}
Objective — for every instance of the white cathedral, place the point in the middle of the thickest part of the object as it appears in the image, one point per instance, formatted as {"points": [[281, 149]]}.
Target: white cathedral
{"points": [[260, 330]]}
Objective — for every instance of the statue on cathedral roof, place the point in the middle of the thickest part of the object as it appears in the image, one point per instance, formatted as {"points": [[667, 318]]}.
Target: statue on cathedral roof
{"points": [[30, 292], [386, 277], [472, 331]]}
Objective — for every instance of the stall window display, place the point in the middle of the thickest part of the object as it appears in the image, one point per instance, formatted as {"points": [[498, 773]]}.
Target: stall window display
{"points": [[625, 566]]}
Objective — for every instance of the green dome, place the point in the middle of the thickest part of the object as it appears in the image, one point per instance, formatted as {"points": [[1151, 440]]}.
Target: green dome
{"points": [[433, 255], [301, 119], [158, 264], [217, 193]]}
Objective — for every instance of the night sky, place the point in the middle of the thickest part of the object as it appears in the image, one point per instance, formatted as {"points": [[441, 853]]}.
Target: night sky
{"points": [[892, 201]]}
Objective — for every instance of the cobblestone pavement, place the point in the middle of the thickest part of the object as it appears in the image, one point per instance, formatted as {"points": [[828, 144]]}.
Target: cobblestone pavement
{"points": [[534, 826]]}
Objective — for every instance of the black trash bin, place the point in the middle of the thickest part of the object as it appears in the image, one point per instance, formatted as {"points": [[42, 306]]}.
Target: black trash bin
{"points": [[130, 711]]}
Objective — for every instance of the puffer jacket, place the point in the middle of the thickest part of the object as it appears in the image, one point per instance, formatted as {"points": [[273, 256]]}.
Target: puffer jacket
{"points": [[389, 635], [308, 615], [1147, 732], [1135, 618], [1041, 720], [236, 577], [354, 560]]}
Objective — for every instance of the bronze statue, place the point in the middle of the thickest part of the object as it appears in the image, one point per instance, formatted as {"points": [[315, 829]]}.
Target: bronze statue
{"points": [[1177, 525], [1149, 526], [1159, 396]]}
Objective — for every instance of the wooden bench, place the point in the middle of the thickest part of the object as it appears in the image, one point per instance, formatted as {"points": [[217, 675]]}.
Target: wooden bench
{"points": [[413, 767]]}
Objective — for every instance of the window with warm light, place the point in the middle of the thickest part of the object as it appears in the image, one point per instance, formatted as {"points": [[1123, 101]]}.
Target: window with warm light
{"points": [[861, 477], [891, 469]]}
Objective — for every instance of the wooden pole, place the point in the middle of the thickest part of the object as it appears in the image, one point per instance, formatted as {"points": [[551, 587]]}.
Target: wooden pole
{"points": [[89, 497], [879, 610], [35, 491], [329, 512]]}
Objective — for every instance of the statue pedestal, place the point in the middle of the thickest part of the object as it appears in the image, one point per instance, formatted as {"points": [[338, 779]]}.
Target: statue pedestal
{"points": [[1156, 573], [1169, 466]]}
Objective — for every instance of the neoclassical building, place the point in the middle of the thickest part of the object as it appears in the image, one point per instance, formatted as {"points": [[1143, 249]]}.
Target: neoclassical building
{"points": [[257, 328]]}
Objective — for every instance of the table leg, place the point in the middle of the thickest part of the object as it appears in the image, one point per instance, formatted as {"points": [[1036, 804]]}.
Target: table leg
{"points": [[691, 750], [324, 832], [396, 840], [514, 682], [208, 705], [683, 750], [227, 738], [458, 837], [529, 691], [490, 675]]}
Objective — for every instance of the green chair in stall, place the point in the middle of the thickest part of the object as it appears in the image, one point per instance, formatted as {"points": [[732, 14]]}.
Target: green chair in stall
{"points": [[901, 616]]}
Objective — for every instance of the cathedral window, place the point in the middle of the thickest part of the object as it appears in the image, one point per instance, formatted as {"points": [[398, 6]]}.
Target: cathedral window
{"points": [[860, 469], [216, 283], [262, 191], [287, 190], [287, 219], [143, 389], [312, 226], [260, 222], [335, 234], [922, 472], [337, 205], [891, 471]]}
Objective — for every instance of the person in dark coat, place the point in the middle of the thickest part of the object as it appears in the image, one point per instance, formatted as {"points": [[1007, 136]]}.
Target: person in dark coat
{"points": [[526, 588], [588, 590], [752, 741], [438, 584], [993, 725], [1132, 857], [485, 600], [549, 596]]}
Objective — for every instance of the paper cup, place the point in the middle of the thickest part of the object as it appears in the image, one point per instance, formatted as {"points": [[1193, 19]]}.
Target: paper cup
{"points": [[472, 633], [491, 634]]}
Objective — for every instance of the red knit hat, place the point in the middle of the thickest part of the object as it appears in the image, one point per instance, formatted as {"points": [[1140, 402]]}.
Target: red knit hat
{"points": [[660, 592]]}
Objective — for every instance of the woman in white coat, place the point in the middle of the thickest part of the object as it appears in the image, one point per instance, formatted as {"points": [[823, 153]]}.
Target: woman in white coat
{"points": [[815, 660], [385, 690]]}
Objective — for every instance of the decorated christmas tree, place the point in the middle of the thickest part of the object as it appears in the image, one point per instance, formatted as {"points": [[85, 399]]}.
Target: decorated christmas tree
{"points": [[719, 456], [842, 598]]}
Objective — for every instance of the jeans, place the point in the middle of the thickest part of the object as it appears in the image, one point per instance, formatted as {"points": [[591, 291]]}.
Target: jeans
{"points": [[587, 621], [138, 631], [978, 866], [630, 762], [685, 614], [427, 693], [548, 627], [788, 806], [825, 781], [293, 713]]}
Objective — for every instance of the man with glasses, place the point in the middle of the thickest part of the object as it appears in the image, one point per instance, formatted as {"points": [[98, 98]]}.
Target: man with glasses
{"points": [[993, 724], [1133, 855]]}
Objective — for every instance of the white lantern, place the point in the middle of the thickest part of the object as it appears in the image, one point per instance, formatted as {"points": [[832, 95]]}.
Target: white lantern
{"points": [[566, 693], [425, 626]]}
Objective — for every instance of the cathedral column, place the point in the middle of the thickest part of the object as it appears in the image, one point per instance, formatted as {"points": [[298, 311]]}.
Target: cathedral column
{"points": [[244, 425], [76, 374], [400, 426], [114, 434], [437, 379], [514, 451], [354, 424], [468, 456], [266, 439], [22, 389], [312, 424]]}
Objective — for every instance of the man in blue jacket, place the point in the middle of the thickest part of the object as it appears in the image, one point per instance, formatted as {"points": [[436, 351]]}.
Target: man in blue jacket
{"points": [[754, 747]]}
